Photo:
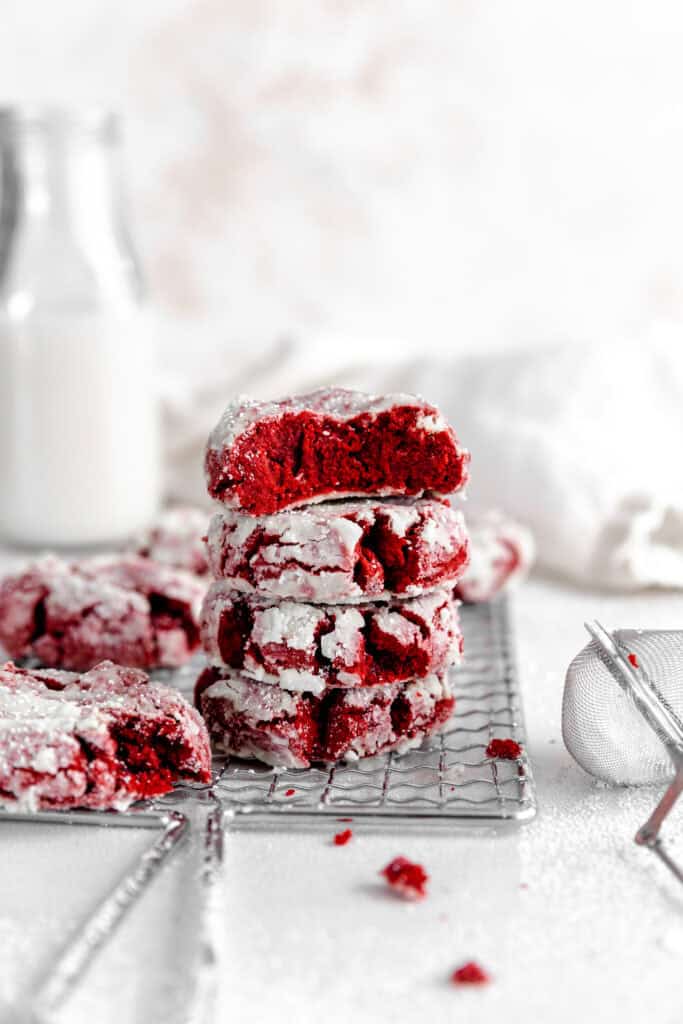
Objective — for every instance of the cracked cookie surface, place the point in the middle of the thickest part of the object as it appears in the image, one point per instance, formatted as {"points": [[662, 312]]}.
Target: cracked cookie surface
{"points": [[100, 740], [294, 730], [341, 551], [312, 647]]}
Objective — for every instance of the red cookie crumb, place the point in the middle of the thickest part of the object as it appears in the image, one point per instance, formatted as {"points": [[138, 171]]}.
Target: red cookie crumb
{"points": [[634, 660], [290, 792], [406, 878], [507, 750], [342, 838], [470, 974]]}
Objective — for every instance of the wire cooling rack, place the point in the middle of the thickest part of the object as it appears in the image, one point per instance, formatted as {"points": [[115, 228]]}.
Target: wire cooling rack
{"points": [[448, 781]]}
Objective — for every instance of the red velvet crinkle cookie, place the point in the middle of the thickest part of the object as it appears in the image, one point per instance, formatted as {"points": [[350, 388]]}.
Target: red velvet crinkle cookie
{"points": [[101, 740], [266, 456], [293, 730], [124, 608], [314, 647], [176, 539], [501, 552], [341, 551]]}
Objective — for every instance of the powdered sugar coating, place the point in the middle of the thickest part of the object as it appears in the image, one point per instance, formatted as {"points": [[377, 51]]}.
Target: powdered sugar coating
{"points": [[176, 540], [263, 457], [100, 740], [293, 730], [341, 403], [309, 647], [124, 608], [342, 551], [501, 553]]}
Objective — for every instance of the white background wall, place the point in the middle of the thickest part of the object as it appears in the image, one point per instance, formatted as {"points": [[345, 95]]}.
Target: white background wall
{"points": [[448, 172]]}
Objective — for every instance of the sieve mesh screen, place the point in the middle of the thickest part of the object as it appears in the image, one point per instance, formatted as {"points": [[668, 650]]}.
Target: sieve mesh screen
{"points": [[602, 726]]}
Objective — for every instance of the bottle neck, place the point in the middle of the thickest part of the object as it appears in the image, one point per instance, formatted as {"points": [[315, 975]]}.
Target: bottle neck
{"points": [[61, 175], [62, 223]]}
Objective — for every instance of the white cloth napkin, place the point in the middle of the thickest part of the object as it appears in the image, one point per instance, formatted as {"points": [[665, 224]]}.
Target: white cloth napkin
{"points": [[581, 443]]}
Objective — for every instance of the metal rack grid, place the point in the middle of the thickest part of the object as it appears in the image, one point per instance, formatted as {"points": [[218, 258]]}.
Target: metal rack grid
{"points": [[448, 781]]}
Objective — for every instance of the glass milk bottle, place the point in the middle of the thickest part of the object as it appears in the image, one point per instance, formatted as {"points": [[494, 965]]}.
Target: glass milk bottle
{"points": [[79, 432]]}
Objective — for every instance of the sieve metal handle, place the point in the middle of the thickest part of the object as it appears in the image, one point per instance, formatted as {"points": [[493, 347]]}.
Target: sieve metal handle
{"points": [[648, 835]]}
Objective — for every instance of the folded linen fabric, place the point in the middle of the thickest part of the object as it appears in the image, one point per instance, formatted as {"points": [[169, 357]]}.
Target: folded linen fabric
{"points": [[579, 442]]}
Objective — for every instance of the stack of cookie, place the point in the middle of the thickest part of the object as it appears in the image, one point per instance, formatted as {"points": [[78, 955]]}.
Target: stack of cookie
{"points": [[331, 622]]}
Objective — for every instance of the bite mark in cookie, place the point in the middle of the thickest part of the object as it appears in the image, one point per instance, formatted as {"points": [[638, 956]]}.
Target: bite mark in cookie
{"points": [[266, 456]]}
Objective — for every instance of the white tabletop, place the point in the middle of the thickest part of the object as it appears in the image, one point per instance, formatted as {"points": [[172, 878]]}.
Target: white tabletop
{"points": [[572, 920]]}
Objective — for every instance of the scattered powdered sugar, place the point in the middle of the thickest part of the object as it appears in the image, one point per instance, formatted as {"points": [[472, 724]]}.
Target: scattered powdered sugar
{"points": [[671, 940]]}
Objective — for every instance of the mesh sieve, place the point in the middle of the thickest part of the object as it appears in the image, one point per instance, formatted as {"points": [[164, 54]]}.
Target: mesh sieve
{"points": [[604, 725], [622, 717]]}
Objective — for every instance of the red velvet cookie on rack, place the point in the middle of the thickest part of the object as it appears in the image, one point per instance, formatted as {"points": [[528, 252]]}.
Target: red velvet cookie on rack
{"points": [[263, 457], [123, 608], [341, 551], [314, 647], [294, 730], [176, 539], [101, 740]]}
